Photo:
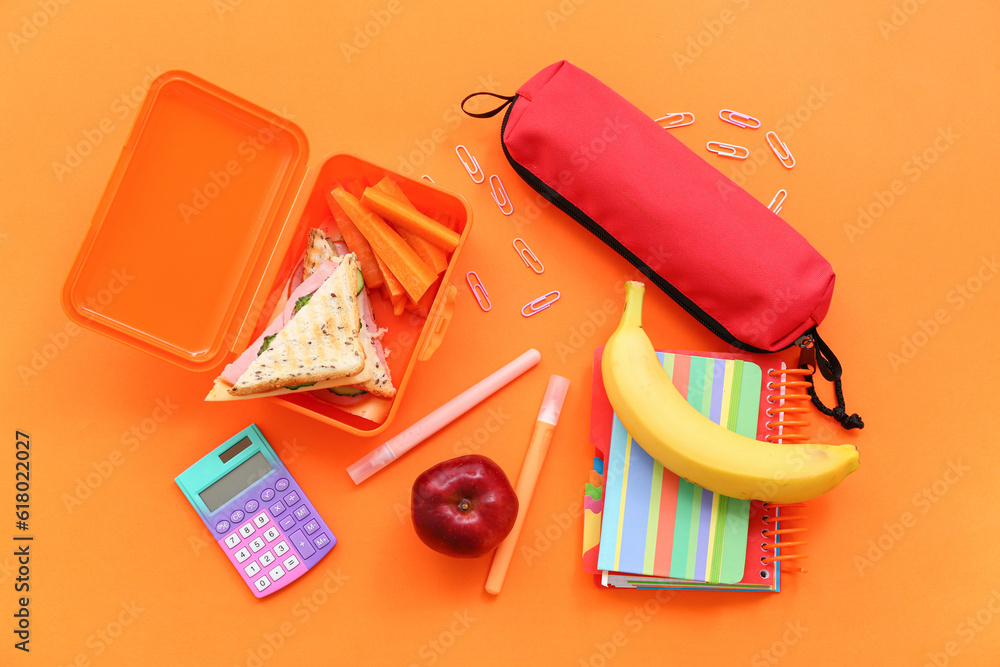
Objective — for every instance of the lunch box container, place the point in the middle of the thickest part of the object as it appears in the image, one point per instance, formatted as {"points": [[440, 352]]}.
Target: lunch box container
{"points": [[202, 223]]}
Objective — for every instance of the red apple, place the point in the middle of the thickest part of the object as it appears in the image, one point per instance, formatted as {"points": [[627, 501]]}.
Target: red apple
{"points": [[463, 507]]}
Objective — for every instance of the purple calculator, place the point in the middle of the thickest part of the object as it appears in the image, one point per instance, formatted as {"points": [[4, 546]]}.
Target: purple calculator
{"points": [[258, 514]]}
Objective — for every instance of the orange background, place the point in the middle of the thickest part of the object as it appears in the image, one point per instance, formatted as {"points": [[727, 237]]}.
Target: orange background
{"points": [[903, 565]]}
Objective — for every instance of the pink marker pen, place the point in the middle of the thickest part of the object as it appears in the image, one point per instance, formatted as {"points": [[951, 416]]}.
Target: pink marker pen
{"points": [[395, 447]]}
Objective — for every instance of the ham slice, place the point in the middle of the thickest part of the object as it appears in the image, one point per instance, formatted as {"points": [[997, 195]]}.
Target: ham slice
{"points": [[368, 319], [234, 370], [296, 277]]}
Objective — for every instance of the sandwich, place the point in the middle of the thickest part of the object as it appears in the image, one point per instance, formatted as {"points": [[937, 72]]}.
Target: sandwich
{"points": [[315, 342], [321, 249]]}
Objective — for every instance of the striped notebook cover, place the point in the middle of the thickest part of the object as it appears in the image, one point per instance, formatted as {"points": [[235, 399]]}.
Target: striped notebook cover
{"points": [[655, 523]]}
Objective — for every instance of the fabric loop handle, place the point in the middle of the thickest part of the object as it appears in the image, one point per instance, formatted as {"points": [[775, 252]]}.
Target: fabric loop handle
{"points": [[493, 112]]}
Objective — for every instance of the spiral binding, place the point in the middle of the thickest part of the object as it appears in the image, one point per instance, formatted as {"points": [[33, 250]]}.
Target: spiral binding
{"points": [[786, 415], [799, 404]]}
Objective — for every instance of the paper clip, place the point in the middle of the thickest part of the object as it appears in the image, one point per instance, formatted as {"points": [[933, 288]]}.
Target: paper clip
{"points": [[471, 166], [781, 150], [540, 304], [672, 120], [500, 195], [529, 258], [728, 150], [478, 290], [739, 119], [778, 200], [427, 178]]}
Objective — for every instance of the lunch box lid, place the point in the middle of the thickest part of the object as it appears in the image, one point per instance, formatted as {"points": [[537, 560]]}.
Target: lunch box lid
{"points": [[192, 226]]}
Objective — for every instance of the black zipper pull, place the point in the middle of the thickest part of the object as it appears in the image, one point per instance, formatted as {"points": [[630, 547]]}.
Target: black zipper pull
{"points": [[807, 352], [809, 357], [816, 354]]}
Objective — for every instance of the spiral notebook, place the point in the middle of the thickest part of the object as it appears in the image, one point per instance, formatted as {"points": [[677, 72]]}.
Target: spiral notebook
{"points": [[646, 528]]}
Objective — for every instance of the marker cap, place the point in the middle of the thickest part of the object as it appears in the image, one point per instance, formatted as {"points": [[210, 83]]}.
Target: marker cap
{"points": [[552, 403], [371, 463]]}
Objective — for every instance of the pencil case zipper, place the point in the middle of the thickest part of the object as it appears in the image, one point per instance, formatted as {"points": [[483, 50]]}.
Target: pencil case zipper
{"points": [[594, 228]]}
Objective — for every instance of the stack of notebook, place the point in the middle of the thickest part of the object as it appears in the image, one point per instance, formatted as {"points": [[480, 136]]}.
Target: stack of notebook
{"points": [[644, 527]]}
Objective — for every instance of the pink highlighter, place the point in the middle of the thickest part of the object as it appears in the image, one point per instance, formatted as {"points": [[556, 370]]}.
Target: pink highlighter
{"points": [[395, 447]]}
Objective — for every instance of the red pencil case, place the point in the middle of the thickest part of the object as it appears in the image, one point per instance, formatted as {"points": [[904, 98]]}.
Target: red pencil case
{"points": [[734, 265]]}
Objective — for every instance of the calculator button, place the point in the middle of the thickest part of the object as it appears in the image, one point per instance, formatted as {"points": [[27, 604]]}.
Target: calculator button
{"points": [[291, 498], [290, 562], [267, 495], [281, 484], [276, 573], [261, 519], [256, 545], [232, 540], [236, 516], [242, 555], [302, 544], [251, 506], [312, 526], [252, 569], [301, 512], [247, 529], [222, 526], [287, 522], [277, 508], [271, 534], [321, 541], [262, 583], [267, 558], [281, 548]]}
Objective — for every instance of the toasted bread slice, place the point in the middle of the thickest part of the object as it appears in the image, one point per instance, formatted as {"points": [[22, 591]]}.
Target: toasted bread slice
{"points": [[381, 382], [221, 388], [321, 342], [318, 250]]}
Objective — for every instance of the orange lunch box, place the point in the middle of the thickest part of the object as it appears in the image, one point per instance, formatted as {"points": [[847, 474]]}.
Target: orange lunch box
{"points": [[204, 220]]}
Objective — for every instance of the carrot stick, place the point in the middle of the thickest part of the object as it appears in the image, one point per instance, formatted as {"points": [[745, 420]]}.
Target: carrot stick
{"points": [[404, 263], [435, 257], [402, 215], [355, 240], [398, 307], [392, 284], [423, 307]]}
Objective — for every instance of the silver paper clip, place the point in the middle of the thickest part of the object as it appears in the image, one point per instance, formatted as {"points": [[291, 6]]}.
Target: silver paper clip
{"points": [[500, 195], [529, 258], [540, 304], [780, 150], [739, 119], [471, 166], [778, 200], [478, 290], [427, 178], [728, 150], [672, 120]]}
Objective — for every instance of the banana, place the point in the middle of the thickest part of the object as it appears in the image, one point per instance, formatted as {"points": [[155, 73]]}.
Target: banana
{"points": [[697, 449]]}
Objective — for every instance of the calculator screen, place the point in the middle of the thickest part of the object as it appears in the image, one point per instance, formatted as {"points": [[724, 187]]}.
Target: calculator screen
{"points": [[235, 481]]}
